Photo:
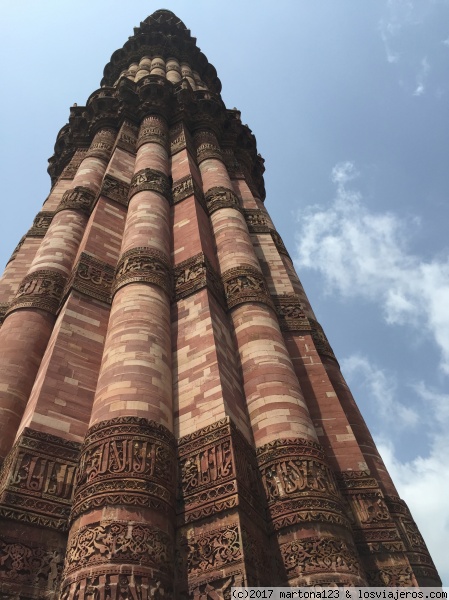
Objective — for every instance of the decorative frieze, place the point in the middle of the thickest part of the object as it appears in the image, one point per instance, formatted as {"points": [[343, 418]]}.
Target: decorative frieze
{"points": [[126, 461], [217, 589], [279, 243], [125, 582], [92, 277], [37, 480], [185, 187], [257, 221], [153, 130], [3, 310], [71, 169], [397, 576], [127, 139], [115, 189], [214, 550], [102, 145], [194, 274], [41, 289], [320, 340], [245, 284], [290, 313], [40, 224], [221, 197], [143, 265], [206, 146], [150, 180], [79, 198]]}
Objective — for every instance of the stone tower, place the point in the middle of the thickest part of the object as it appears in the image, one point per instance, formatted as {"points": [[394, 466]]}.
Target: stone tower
{"points": [[173, 420]]}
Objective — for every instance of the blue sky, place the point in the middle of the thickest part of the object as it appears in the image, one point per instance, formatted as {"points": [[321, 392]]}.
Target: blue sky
{"points": [[349, 104]]}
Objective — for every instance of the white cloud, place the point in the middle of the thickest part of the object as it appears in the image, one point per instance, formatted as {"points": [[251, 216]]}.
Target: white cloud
{"points": [[421, 77], [361, 253]]}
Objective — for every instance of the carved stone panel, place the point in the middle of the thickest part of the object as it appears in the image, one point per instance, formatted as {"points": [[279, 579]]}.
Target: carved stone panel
{"points": [[194, 274], [150, 180], [143, 265], [214, 550], [245, 284], [257, 221], [128, 461], [206, 146], [320, 340], [92, 277], [40, 224], [37, 480], [221, 197], [3, 309], [185, 187], [125, 583], [79, 198], [115, 189], [397, 576], [41, 289], [153, 130], [279, 243], [127, 138], [290, 313], [70, 170]]}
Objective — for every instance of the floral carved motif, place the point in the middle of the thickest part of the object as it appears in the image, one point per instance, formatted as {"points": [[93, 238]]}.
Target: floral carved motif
{"points": [[40, 224], [221, 197], [92, 277], [398, 576], [245, 284], [194, 274], [126, 461], [290, 313], [79, 198], [220, 589], [115, 189], [150, 180], [41, 289], [214, 550], [143, 265], [314, 555]]}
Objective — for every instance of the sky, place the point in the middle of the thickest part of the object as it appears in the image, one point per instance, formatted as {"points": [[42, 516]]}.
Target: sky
{"points": [[348, 101]]}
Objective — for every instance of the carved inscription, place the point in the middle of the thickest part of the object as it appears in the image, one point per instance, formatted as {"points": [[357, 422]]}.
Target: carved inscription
{"points": [[40, 224], [206, 145], [279, 243], [245, 284], [70, 170], [221, 197], [314, 555], [194, 274], [103, 143], [257, 221], [153, 131], [150, 180], [115, 189], [185, 187], [79, 198], [92, 277], [125, 584], [290, 313], [143, 265], [41, 289]]}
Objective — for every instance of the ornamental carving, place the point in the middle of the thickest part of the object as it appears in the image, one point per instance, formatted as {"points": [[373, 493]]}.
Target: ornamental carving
{"points": [[221, 197], [207, 146], [3, 309], [150, 180], [115, 189], [290, 313], [127, 138], [220, 589], [79, 198], [29, 565], [92, 277], [40, 224], [257, 221], [320, 340], [36, 482], [178, 140], [17, 249], [214, 550], [245, 284], [70, 170], [206, 467], [193, 275], [41, 289], [279, 243], [185, 187], [121, 585], [121, 542], [369, 508], [102, 145], [153, 130], [314, 555], [126, 459], [143, 265], [398, 576]]}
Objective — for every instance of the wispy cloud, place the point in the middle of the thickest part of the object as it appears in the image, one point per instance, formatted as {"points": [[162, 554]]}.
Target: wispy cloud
{"points": [[421, 77], [361, 253]]}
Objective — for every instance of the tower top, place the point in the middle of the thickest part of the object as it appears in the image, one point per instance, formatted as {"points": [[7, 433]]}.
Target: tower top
{"points": [[163, 35]]}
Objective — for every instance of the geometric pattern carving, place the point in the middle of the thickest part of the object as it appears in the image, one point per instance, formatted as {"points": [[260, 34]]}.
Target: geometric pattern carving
{"points": [[320, 340], [194, 274], [40, 224], [153, 130], [206, 146], [290, 313], [221, 197], [143, 265], [115, 189], [245, 284], [214, 550], [150, 180], [41, 289], [79, 198], [92, 277], [126, 461], [36, 481]]}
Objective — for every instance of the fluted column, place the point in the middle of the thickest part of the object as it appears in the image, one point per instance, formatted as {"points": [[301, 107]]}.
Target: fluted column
{"points": [[123, 506], [297, 480], [25, 333]]}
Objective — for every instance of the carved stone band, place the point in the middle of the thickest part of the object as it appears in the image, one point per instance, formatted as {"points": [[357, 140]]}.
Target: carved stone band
{"points": [[185, 187], [126, 461], [38, 477], [207, 146], [40, 224], [79, 198], [41, 289], [152, 133], [194, 274], [115, 189], [290, 313], [221, 197], [257, 221], [245, 284], [151, 180], [92, 277], [143, 265], [3, 309], [319, 337]]}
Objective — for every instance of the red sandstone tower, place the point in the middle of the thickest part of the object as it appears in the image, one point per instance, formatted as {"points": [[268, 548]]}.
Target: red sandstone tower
{"points": [[173, 421]]}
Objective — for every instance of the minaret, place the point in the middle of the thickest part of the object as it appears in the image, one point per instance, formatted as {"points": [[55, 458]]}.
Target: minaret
{"points": [[173, 420]]}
